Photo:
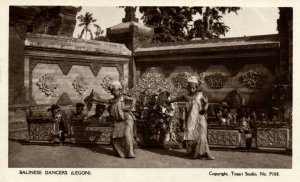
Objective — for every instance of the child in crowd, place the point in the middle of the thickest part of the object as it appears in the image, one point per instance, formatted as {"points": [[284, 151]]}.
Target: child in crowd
{"points": [[60, 123]]}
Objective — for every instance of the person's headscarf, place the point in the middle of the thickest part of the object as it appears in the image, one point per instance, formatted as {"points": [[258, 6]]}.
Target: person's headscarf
{"points": [[52, 108], [116, 85], [193, 79]]}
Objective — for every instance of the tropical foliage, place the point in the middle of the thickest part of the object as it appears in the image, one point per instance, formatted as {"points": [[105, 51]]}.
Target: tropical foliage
{"points": [[177, 23], [86, 21]]}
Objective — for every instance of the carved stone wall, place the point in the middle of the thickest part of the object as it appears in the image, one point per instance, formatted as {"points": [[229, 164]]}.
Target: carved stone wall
{"points": [[86, 133], [221, 137], [273, 138], [65, 83], [57, 68], [56, 20], [254, 96], [41, 131]]}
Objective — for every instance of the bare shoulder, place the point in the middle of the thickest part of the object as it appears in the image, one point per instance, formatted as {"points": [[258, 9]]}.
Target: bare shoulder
{"points": [[202, 95]]}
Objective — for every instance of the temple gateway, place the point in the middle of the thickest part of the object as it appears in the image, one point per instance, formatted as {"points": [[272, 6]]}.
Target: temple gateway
{"points": [[248, 76]]}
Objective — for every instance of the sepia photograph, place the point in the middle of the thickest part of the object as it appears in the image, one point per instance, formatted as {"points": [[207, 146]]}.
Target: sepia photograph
{"points": [[150, 87]]}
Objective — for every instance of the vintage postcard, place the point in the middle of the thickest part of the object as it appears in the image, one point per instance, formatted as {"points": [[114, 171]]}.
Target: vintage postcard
{"points": [[159, 92]]}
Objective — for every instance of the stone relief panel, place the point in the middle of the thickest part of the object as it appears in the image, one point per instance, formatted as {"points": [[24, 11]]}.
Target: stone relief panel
{"points": [[112, 73], [80, 85], [273, 137], [41, 131], [47, 84], [78, 82], [153, 82], [38, 84], [257, 95], [178, 81], [220, 85], [224, 137], [252, 79], [216, 80], [181, 79], [216, 90]]}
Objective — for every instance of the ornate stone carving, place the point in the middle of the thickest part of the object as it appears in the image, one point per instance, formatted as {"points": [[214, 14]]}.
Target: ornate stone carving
{"points": [[106, 83], [223, 137], [153, 83], [252, 79], [120, 70], [216, 80], [181, 79], [65, 67], [64, 100], [47, 84], [95, 68], [272, 137], [234, 99], [80, 85], [41, 131]]}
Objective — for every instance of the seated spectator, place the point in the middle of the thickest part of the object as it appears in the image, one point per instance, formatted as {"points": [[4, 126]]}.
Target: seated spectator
{"points": [[97, 117], [223, 113], [78, 116]]}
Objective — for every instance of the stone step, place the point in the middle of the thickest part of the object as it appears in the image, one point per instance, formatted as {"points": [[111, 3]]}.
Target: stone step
{"points": [[18, 135], [17, 126]]}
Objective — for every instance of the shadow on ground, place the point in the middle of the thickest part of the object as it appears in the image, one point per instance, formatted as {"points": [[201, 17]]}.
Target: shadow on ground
{"points": [[167, 152], [98, 149]]}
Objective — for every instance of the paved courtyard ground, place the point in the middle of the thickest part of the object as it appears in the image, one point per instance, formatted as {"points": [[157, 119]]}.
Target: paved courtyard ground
{"points": [[75, 156]]}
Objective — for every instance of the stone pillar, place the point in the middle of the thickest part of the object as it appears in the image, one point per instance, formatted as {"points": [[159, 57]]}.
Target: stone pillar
{"points": [[132, 34], [285, 32], [67, 20], [283, 88]]}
